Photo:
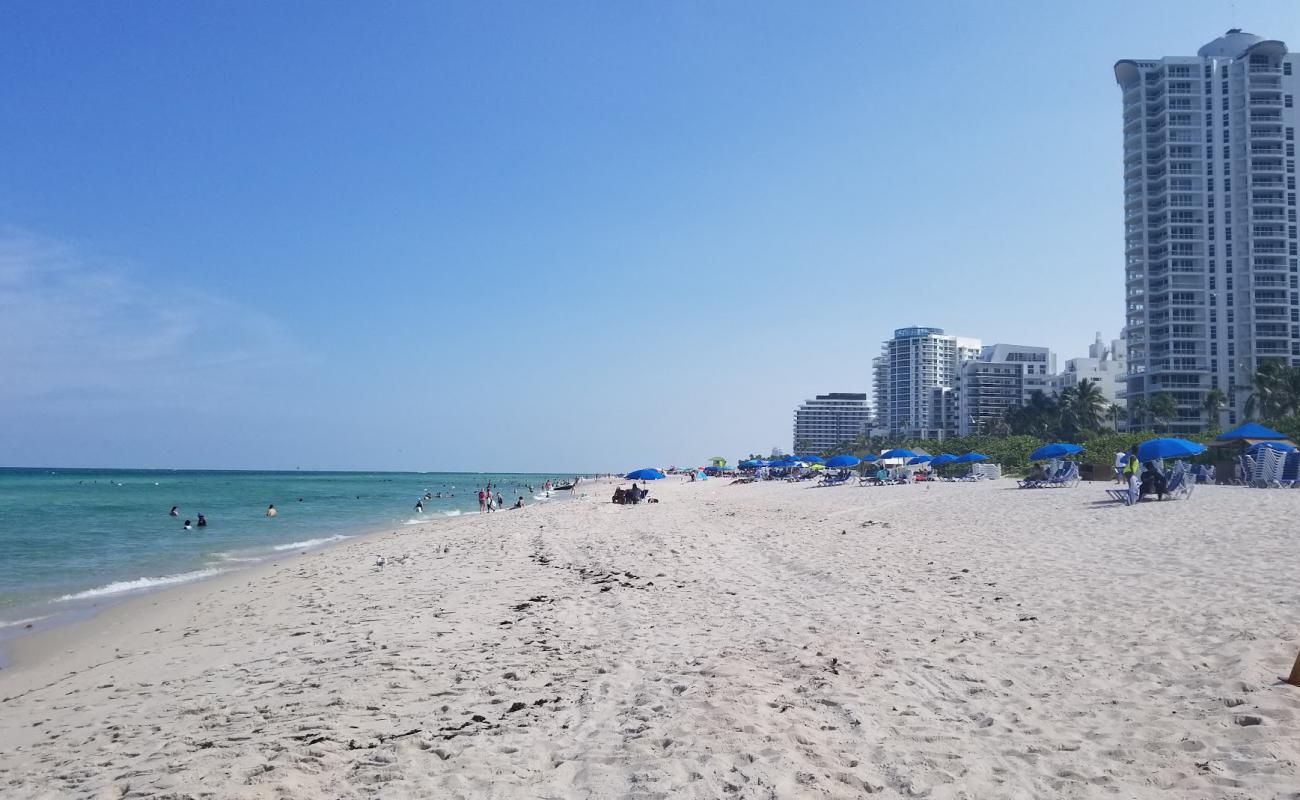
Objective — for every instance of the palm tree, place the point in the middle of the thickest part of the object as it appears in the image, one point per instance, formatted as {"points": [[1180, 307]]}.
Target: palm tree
{"points": [[1137, 412], [1268, 388], [1086, 405], [1162, 408], [1040, 416], [1213, 404], [1115, 412]]}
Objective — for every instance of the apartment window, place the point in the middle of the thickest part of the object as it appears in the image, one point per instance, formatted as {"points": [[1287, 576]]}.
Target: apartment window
{"points": [[1226, 153], [1225, 106], [1286, 100], [1286, 67], [1225, 120]]}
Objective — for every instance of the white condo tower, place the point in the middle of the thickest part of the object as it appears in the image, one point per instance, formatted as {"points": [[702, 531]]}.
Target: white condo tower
{"points": [[1210, 221]]}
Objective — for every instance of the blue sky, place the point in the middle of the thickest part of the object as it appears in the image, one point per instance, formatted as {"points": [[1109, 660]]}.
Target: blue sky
{"points": [[537, 236]]}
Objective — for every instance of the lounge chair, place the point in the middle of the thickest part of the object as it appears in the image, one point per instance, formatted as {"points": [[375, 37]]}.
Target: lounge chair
{"points": [[1119, 495], [1181, 482]]}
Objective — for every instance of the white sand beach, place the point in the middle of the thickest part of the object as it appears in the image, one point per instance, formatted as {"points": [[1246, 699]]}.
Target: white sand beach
{"points": [[766, 641]]}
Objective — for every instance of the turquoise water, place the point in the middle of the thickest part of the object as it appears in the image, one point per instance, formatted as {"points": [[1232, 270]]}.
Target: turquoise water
{"points": [[75, 537]]}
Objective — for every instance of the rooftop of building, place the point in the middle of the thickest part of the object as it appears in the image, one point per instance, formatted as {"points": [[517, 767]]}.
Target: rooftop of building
{"points": [[1230, 45]]}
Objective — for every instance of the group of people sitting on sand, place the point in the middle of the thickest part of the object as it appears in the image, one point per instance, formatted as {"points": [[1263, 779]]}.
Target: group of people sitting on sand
{"points": [[631, 496]]}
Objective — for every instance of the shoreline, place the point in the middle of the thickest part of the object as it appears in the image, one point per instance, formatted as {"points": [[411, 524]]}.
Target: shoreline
{"points": [[55, 614]]}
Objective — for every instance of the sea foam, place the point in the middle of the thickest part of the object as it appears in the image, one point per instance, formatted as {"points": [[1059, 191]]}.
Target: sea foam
{"points": [[309, 543], [139, 584]]}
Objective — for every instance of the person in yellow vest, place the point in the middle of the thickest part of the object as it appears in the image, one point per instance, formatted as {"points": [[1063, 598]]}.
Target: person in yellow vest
{"points": [[1132, 475]]}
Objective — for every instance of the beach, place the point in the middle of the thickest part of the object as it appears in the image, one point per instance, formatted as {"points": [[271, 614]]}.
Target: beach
{"points": [[955, 640]]}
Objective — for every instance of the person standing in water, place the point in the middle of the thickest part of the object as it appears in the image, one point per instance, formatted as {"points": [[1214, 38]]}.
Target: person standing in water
{"points": [[419, 506], [482, 501], [173, 512], [500, 502], [187, 525], [203, 521], [270, 510]]}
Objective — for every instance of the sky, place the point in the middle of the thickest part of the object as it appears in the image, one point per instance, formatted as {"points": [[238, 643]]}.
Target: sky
{"points": [[538, 236]]}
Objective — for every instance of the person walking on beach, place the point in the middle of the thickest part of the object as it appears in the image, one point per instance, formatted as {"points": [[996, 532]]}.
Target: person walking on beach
{"points": [[482, 501]]}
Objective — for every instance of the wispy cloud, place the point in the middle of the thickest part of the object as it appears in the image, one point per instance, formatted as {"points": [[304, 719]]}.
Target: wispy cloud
{"points": [[72, 326]]}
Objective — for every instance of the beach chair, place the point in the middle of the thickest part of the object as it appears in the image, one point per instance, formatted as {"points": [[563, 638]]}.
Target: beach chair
{"points": [[1119, 495], [1180, 483], [1269, 464], [1067, 476], [1291, 469]]}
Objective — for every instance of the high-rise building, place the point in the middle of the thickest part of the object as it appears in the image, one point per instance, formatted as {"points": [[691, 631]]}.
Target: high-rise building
{"points": [[829, 420], [1003, 376], [1210, 220], [914, 374], [1104, 366]]}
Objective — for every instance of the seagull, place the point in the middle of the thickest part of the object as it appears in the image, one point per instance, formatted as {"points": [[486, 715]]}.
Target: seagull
{"points": [[380, 561]]}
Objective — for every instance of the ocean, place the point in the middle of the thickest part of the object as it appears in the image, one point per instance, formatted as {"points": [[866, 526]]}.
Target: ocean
{"points": [[73, 538]]}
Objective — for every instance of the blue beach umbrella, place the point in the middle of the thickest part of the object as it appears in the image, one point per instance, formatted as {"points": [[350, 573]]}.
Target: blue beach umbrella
{"points": [[647, 474], [1055, 450], [1168, 448], [871, 457], [898, 452], [812, 459], [943, 458], [840, 462], [971, 458], [1251, 430], [921, 460]]}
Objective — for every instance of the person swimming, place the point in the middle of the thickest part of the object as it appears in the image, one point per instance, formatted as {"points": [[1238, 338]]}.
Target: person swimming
{"points": [[270, 510], [419, 506], [187, 525], [203, 521], [173, 512]]}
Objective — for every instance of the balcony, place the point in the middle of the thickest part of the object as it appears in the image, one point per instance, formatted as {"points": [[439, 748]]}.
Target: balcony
{"points": [[1266, 132], [1266, 116], [1266, 150], [1266, 181], [1265, 165], [1265, 69], [1266, 101]]}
